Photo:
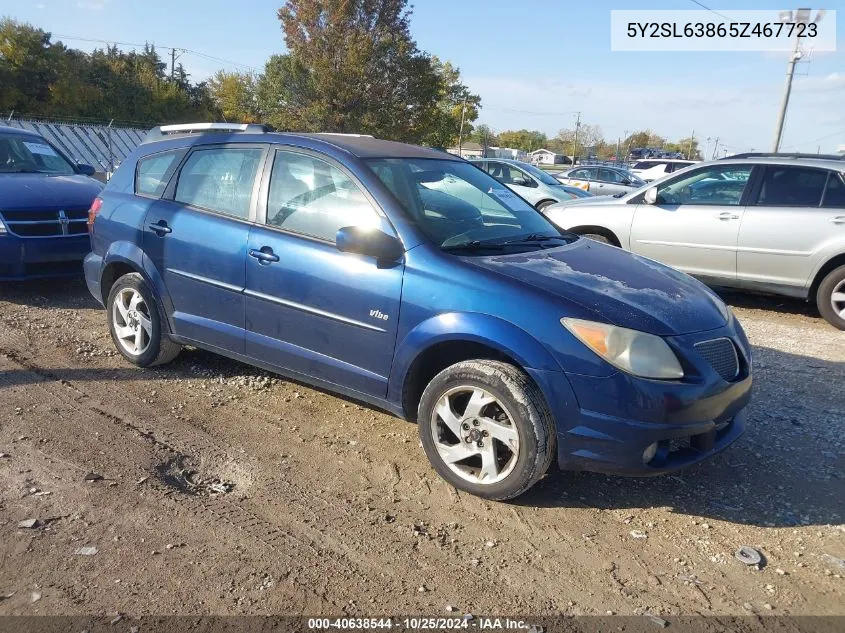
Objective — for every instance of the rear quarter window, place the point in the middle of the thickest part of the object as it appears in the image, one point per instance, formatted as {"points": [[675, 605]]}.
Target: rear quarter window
{"points": [[154, 172]]}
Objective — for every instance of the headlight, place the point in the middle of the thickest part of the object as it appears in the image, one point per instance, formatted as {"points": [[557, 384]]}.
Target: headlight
{"points": [[635, 352]]}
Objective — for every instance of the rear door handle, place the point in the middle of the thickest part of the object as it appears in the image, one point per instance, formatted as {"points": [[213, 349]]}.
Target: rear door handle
{"points": [[160, 228], [727, 215], [839, 219], [264, 256]]}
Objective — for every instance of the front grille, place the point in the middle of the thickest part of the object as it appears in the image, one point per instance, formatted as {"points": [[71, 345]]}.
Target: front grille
{"points": [[720, 353], [47, 223]]}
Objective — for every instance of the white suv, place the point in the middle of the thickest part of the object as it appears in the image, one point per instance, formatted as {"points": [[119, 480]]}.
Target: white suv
{"points": [[769, 222], [654, 168]]}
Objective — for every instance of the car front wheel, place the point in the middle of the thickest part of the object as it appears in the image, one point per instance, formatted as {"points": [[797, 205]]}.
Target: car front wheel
{"points": [[486, 428], [830, 298], [135, 323]]}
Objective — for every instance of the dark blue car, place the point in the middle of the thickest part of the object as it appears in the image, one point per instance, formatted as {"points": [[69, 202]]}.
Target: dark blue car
{"points": [[44, 202], [412, 280]]}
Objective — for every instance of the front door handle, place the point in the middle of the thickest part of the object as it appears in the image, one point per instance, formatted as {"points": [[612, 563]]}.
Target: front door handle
{"points": [[264, 256], [839, 219], [160, 228], [727, 215]]}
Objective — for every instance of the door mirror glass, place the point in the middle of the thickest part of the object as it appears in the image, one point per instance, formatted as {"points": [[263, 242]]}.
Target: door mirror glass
{"points": [[521, 181], [368, 241], [650, 196]]}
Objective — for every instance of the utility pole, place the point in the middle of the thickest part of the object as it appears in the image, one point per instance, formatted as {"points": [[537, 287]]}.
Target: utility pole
{"points": [[575, 140], [715, 148], [801, 16], [691, 141], [461, 132]]}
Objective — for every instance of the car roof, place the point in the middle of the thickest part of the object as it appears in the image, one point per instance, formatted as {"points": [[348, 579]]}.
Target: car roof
{"points": [[361, 146], [822, 163], [13, 131], [670, 160]]}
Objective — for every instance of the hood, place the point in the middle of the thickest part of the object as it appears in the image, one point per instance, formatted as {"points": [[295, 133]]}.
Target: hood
{"points": [[625, 289], [582, 201], [41, 191]]}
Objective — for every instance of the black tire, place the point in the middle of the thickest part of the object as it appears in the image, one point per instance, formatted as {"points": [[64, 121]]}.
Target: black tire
{"points": [[598, 237], [543, 204], [160, 349], [530, 417], [834, 280]]}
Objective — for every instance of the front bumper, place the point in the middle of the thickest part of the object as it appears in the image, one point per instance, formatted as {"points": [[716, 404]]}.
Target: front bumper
{"points": [[606, 424], [37, 257]]}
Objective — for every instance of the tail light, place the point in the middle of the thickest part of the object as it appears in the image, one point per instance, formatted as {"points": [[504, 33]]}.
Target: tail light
{"points": [[93, 212]]}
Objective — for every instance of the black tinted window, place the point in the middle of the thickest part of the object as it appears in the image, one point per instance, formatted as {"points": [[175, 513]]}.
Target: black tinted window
{"points": [[834, 195], [220, 179], [792, 186]]}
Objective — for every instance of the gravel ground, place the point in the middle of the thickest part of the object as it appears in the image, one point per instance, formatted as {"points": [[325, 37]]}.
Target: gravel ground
{"points": [[207, 486]]}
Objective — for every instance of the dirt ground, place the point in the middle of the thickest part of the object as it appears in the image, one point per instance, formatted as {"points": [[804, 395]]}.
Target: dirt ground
{"points": [[228, 490]]}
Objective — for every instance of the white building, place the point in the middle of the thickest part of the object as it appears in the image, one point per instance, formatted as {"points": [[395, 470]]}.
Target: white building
{"points": [[548, 157], [507, 152], [468, 149]]}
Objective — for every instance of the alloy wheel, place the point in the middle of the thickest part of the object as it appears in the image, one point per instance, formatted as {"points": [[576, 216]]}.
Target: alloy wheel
{"points": [[131, 319], [837, 299], [474, 435]]}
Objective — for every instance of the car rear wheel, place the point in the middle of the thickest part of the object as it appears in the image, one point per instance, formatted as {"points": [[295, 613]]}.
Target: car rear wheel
{"points": [[486, 428], [830, 298], [135, 323]]}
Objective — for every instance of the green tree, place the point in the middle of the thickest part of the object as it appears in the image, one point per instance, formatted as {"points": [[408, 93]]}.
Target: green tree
{"points": [[234, 94], [365, 71], [283, 93], [454, 103], [526, 140]]}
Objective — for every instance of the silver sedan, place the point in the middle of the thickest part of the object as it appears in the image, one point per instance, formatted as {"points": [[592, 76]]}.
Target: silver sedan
{"points": [[601, 180]]}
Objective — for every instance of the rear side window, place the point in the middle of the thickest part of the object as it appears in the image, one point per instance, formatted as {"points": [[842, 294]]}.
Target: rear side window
{"points": [[792, 187], [220, 179], [644, 164], [154, 172], [834, 194]]}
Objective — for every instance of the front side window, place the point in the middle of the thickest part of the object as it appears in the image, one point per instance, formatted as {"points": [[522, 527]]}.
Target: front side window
{"points": [[792, 186], [716, 185], [220, 179], [609, 175], [30, 154], [154, 172], [312, 197], [456, 205]]}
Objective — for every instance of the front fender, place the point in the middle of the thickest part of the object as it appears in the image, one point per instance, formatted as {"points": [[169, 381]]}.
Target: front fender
{"points": [[467, 327]]}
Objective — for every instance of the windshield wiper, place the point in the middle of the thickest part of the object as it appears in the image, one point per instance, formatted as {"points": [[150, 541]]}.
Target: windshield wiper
{"points": [[22, 170], [535, 237], [475, 245]]}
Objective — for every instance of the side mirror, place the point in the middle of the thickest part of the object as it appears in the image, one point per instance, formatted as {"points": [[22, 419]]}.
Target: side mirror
{"points": [[368, 241], [650, 196], [626, 182], [85, 169], [521, 181]]}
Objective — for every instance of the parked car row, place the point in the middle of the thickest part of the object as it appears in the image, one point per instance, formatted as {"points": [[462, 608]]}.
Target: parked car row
{"points": [[770, 223], [44, 201]]}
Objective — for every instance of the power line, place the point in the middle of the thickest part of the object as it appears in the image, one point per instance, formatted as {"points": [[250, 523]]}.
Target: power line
{"points": [[512, 111], [138, 45], [704, 6], [821, 138]]}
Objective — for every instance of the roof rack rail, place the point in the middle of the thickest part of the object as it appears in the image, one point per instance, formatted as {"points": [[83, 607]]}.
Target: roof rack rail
{"points": [[164, 131], [343, 134], [787, 155]]}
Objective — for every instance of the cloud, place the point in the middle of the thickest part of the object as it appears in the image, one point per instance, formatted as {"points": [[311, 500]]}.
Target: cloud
{"points": [[92, 5], [39, 6]]}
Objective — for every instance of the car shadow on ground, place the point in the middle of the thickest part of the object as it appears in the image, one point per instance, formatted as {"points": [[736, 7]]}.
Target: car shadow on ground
{"points": [[63, 293], [769, 303], [788, 469]]}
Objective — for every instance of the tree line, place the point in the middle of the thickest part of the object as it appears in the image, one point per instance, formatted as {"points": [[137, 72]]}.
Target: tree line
{"points": [[350, 66], [590, 141]]}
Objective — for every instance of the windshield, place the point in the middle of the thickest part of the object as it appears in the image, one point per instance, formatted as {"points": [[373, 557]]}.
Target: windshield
{"points": [[29, 154], [539, 174], [457, 205]]}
